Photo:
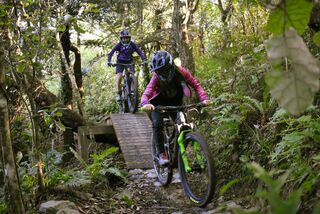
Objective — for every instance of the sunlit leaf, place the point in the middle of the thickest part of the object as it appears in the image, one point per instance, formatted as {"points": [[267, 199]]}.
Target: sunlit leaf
{"points": [[294, 90], [228, 185], [295, 13], [61, 28], [78, 29], [21, 67]]}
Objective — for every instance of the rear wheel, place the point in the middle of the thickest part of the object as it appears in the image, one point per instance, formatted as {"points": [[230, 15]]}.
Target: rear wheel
{"points": [[199, 181], [164, 173], [132, 94]]}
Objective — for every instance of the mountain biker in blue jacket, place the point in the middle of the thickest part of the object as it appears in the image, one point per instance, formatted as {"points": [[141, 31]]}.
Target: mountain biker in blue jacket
{"points": [[125, 49]]}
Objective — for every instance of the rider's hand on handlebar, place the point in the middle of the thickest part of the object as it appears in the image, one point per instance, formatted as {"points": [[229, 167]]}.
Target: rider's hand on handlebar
{"points": [[148, 107], [109, 64], [206, 102]]}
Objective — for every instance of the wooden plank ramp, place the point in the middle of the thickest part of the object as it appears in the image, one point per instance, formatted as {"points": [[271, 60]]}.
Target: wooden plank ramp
{"points": [[133, 132]]}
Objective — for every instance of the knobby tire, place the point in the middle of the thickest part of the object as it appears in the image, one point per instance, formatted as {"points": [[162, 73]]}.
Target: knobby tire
{"points": [[164, 173], [132, 97], [199, 184]]}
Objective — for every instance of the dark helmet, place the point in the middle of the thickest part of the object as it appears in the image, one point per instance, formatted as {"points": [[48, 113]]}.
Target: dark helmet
{"points": [[125, 37], [162, 64]]}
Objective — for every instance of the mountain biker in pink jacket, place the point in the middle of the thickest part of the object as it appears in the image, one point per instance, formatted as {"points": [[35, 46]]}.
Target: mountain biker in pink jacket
{"points": [[167, 87]]}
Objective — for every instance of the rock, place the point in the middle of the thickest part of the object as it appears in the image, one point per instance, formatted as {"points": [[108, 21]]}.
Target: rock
{"points": [[136, 176], [152, 175], [68, 211], [157, 184], [52, 207], [135, 171]]}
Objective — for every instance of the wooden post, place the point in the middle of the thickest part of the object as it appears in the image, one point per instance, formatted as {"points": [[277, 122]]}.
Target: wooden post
{"points": [[87, 131]]}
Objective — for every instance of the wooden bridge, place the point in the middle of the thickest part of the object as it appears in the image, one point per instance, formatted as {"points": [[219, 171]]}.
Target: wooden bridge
{"points": [[132, 131]]}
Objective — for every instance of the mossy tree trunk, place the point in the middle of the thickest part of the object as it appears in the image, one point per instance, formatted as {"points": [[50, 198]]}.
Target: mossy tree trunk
{"points": [[182, 18], [11, 179]]}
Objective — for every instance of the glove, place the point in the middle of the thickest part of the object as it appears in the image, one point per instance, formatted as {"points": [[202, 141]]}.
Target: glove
{"points": [[109, 64], [148, 107], [206, 102], [145, 63]]}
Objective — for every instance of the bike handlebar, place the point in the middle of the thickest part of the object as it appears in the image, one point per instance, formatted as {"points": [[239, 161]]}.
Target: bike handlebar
{"points": [[163, 109], [130, 64], [178, 108]]}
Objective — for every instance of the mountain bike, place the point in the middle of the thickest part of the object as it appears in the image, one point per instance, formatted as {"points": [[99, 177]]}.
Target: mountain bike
{"points": [[129, 93], [190, 152]]}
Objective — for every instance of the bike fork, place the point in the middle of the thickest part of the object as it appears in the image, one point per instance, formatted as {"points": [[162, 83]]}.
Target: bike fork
{"points": [[185, 160]]}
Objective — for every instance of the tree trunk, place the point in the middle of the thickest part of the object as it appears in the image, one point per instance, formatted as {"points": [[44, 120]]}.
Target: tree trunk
{"points": [[225, 16], [36, 136], [182, 17], [65, 80], [10, 176], [139, 15], [201, 30], [47, 100], [78, 77]]}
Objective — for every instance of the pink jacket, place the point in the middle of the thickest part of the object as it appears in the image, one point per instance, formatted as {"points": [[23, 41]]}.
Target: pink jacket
{"points": [[153, 88]]}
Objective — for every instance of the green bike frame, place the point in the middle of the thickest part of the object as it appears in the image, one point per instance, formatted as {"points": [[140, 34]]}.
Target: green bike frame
{"points": [[195, 147], [185, 160]]}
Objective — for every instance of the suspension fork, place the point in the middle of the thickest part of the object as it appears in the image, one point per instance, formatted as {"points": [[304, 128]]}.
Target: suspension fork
{"points": [[181, 140]]}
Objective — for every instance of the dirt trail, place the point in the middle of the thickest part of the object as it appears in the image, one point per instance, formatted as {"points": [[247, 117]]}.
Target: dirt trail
{"points": [[144, 194]]}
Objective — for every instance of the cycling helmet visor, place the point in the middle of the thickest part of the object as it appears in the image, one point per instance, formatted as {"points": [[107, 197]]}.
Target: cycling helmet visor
{"points": [[165, 73], [126, 39]]}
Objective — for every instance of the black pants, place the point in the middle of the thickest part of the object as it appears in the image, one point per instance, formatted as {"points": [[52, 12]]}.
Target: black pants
{"points": [[157, 129]]}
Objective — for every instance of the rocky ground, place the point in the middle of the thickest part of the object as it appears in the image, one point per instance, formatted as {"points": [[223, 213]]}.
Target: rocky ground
{"points": [[142, 193]]}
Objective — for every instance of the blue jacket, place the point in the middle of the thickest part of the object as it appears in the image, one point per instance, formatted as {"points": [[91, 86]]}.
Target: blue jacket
{"points": [[125, 52]]}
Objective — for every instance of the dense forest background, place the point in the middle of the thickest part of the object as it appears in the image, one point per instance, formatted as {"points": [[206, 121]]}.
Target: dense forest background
{"points": [[257, 60]]}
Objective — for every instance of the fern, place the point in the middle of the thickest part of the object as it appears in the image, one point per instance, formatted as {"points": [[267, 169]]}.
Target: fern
{"points": [[273, 192], [79, 178]]}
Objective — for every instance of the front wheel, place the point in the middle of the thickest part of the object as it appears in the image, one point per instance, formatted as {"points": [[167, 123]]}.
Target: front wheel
{"points": [[123, 107], [197, 173], [132, 94]]}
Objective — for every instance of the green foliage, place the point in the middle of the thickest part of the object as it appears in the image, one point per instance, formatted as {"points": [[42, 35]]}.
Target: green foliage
{"points": [[77, 178], [78, 28], [316, 38], [29, 182], [295, 87], [304, 131], [99, 87], [128, 200], [101, 166], [273, 195], [225, 187], [3, 208], [58, 177], [290, 13], [78, 157]]}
